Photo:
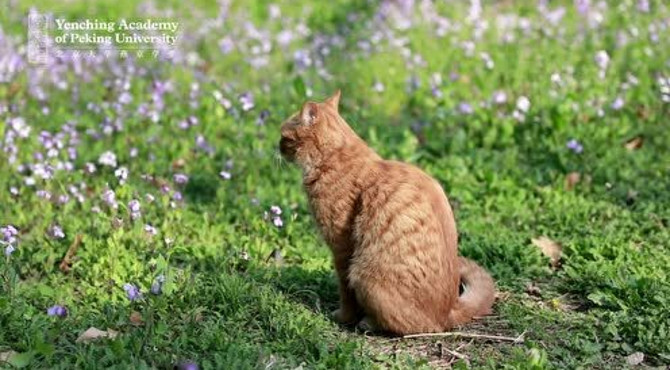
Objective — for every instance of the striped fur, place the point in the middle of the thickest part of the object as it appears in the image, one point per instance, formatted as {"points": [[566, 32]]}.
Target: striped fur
{"points": [[389, 226]]}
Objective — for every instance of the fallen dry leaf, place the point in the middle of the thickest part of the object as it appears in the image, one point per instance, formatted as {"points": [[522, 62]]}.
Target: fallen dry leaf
{"points": [[635, 358], [178, 163], [502, 296], [643, 112], [571, 180], [5, 356], [69, 255], [136, 318], [14, 88], [93, 334], [634, 143], [549, 248]]}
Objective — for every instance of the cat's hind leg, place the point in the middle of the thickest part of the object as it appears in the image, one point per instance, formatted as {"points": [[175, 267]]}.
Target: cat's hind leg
{"points": [[387, 309]]}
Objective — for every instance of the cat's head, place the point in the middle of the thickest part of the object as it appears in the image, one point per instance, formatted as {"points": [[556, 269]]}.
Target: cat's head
{"points": [[312, 134]]}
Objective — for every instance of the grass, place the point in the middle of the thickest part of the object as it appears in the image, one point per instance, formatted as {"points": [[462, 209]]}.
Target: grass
{"points": [[240, 292]]}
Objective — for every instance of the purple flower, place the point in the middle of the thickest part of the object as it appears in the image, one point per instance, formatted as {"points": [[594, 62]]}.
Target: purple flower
{"points": [[582, 6], [180, 178], [275, 210], [202, 144], [523, 104], [618, 103], [554, 16], [488, 61], [89, 168], [183, 124], [134, 208], [72, 153], [575, 146], [189, 366], [122, 174], [465, 108], [44, 171], [57, 310], [277, 221], [436, 92], [56, 232], [475, 10], [247, 101], [43, 194], [226, 45], [109, 197], [177, 196], [63, 198], [8, 233], [302, 59], [225, 175], [19, 125], [150, 230], [134, 205], [602, 59], [284, 37], [132, 291], [643, 6], [107, 159], [9, 250], [499, 97], [8, 236], [125, 98], [157, 286], [664, 87]]}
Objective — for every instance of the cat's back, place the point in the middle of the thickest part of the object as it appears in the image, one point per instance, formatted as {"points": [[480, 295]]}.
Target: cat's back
{"points": [[405, 240], [401, 201], [400, 178]]}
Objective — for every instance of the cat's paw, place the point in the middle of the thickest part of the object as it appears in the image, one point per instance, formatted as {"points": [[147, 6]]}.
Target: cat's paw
{"points": [[367, 325], [343, 316]]}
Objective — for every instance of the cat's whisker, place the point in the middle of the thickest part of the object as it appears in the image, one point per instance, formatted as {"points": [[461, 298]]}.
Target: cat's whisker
{"points": [[278, 159]]}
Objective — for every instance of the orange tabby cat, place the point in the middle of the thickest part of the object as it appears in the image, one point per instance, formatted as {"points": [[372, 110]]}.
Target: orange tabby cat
{"points": [[390, 228]]}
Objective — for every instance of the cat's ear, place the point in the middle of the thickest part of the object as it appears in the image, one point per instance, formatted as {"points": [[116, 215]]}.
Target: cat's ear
{"points": [[309, 113], [334, 101]]}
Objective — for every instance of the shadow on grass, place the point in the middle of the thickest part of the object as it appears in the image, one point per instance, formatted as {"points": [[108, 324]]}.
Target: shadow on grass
{"points": [[315, 289], [202, 188]]}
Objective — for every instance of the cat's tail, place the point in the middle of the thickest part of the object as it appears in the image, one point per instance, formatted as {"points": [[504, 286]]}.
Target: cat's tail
{"points": [[478, 296]]}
